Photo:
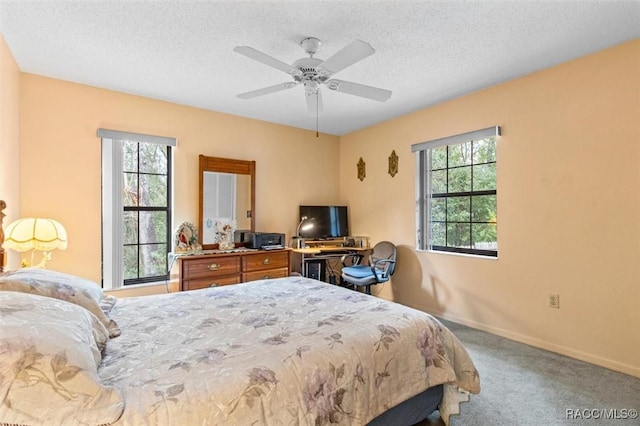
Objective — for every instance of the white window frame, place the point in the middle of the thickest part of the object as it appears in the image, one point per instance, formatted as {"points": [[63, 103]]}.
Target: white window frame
{"points": [[423, 184], [112, 208]]}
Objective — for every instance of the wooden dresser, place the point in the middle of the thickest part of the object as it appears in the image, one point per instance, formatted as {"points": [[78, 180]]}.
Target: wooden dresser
{"points": [[212, 270]]}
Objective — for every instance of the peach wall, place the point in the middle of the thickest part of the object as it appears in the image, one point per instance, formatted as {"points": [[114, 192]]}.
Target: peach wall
{"points": [[61, 172], [567, 177], [568, 209], [9, 140]]}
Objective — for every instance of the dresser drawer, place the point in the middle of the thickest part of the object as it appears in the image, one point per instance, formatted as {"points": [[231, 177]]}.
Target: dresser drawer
{"points": [[266, 274], [265, 260], [225, 269], [210, 267], [210, 282]]}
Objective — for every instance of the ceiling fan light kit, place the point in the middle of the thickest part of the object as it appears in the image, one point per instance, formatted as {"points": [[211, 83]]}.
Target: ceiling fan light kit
{"points": [[312, 72]]}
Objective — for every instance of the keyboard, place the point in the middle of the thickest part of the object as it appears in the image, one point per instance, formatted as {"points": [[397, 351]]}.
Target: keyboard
{"points": [[272, 247]]}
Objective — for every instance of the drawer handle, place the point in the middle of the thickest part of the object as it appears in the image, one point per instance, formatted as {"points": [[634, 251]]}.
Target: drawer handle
{"points": [[213, 285], [214, 267], [266, 261], [266, 277]]}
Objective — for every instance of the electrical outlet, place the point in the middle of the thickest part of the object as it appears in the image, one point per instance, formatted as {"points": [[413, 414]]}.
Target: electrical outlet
{"points": [[554, 301]]}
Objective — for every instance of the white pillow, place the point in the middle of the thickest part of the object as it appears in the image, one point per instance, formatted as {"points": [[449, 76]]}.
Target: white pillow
{"points": [[49, 355], [58, 285]]}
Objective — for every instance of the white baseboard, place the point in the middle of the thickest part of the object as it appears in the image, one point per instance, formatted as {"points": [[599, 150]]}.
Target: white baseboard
{"points": [[538, 343]]}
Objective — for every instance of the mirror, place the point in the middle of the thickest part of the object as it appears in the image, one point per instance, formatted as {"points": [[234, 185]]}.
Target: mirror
{"points": [[227, 191]]}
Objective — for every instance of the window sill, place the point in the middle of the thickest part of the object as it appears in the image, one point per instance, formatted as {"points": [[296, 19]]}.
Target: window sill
{"points": [[127, 287], [169, 282], [453, 253]]}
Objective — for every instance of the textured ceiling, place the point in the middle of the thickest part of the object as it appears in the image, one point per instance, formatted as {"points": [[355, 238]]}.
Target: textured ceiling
{"points": [[426, 51]]}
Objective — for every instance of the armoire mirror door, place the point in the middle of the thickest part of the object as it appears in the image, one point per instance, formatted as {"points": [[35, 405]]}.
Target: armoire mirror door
{"points": [[227, 191]]}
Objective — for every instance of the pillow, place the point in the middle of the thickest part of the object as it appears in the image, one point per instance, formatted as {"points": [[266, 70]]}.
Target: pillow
{"points": [[49, 356], [107, 303], [70, 288]]}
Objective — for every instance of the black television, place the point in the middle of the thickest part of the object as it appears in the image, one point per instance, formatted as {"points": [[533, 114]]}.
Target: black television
{"points": [[327, 221]]}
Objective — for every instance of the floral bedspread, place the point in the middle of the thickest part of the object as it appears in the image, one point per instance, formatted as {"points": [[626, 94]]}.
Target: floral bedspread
{"points": [[289, 351]]}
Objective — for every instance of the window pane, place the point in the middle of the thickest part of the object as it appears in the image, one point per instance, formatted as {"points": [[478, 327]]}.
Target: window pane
{"points": [[130, 255], [438, 234], [458, 209], [460, 179], [460, 155], [153, 190], [484, 177], [439, 158], [458, 235], [130, 229], [484, 151], [153, 158], [153, 260], [439, 182], [130, 190], [461, 195], [129, 156], [438, 209], [485, 236], [483, 208], [153, 227]]}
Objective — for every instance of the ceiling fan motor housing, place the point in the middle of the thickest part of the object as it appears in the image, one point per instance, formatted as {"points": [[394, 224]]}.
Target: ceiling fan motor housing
{"points": [[307, 67]]}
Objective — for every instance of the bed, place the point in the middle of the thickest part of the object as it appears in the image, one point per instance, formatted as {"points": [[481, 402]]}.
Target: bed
{"points": [[280, 351]]}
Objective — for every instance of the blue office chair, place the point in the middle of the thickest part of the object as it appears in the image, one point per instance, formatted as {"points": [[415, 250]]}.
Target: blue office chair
{"points": [[382, 264]]}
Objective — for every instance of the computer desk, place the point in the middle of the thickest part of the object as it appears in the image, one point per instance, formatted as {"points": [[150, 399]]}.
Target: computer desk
{"points": [[322, 263]]}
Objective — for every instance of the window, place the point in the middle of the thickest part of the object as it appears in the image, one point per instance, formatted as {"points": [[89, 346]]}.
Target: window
{"points": [[457, 193], [136, 207]]}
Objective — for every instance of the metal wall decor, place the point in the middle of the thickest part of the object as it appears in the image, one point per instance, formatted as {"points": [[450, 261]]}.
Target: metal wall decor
{"points": [[361, 169], [393, 163]]}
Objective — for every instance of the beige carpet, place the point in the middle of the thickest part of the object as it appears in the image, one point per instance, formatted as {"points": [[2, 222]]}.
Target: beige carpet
{"points": [[526, 386]]}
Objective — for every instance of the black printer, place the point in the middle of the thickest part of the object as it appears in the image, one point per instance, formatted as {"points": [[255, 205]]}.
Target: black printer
{"points": [[263, 240]]}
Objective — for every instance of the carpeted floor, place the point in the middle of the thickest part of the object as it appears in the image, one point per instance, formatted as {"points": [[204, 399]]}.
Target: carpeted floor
{"points": [[525, 386]]}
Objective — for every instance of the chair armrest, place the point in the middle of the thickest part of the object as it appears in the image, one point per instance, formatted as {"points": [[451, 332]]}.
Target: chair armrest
{"points": [[355, 259], [374, 268]]}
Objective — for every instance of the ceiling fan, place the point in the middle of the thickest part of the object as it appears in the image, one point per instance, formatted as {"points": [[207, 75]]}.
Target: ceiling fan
{"points": [[312, 72]]}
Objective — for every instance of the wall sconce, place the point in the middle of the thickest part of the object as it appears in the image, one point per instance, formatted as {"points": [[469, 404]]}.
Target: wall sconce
{"points": [[34, 234], [362, 169], [393, 163]]}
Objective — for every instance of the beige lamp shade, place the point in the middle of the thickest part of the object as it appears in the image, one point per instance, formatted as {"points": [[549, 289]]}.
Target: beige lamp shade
{"points": [[35, 234]]}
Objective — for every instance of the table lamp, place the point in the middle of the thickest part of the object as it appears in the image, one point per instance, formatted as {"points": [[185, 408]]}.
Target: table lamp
{"points": [[298, 240], [34, 234]]}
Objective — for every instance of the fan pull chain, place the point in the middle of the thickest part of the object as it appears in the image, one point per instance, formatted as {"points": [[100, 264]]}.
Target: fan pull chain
{"points": [[317, 114]]}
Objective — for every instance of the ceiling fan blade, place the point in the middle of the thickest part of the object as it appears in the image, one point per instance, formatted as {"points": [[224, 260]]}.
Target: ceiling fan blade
{"points": [[358, 89], [267, 90], [314, 103], [348, 55], [254, 54]]}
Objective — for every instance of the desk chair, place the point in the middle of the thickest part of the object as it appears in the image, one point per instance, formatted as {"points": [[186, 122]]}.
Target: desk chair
{"points": [[382, 264]]}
